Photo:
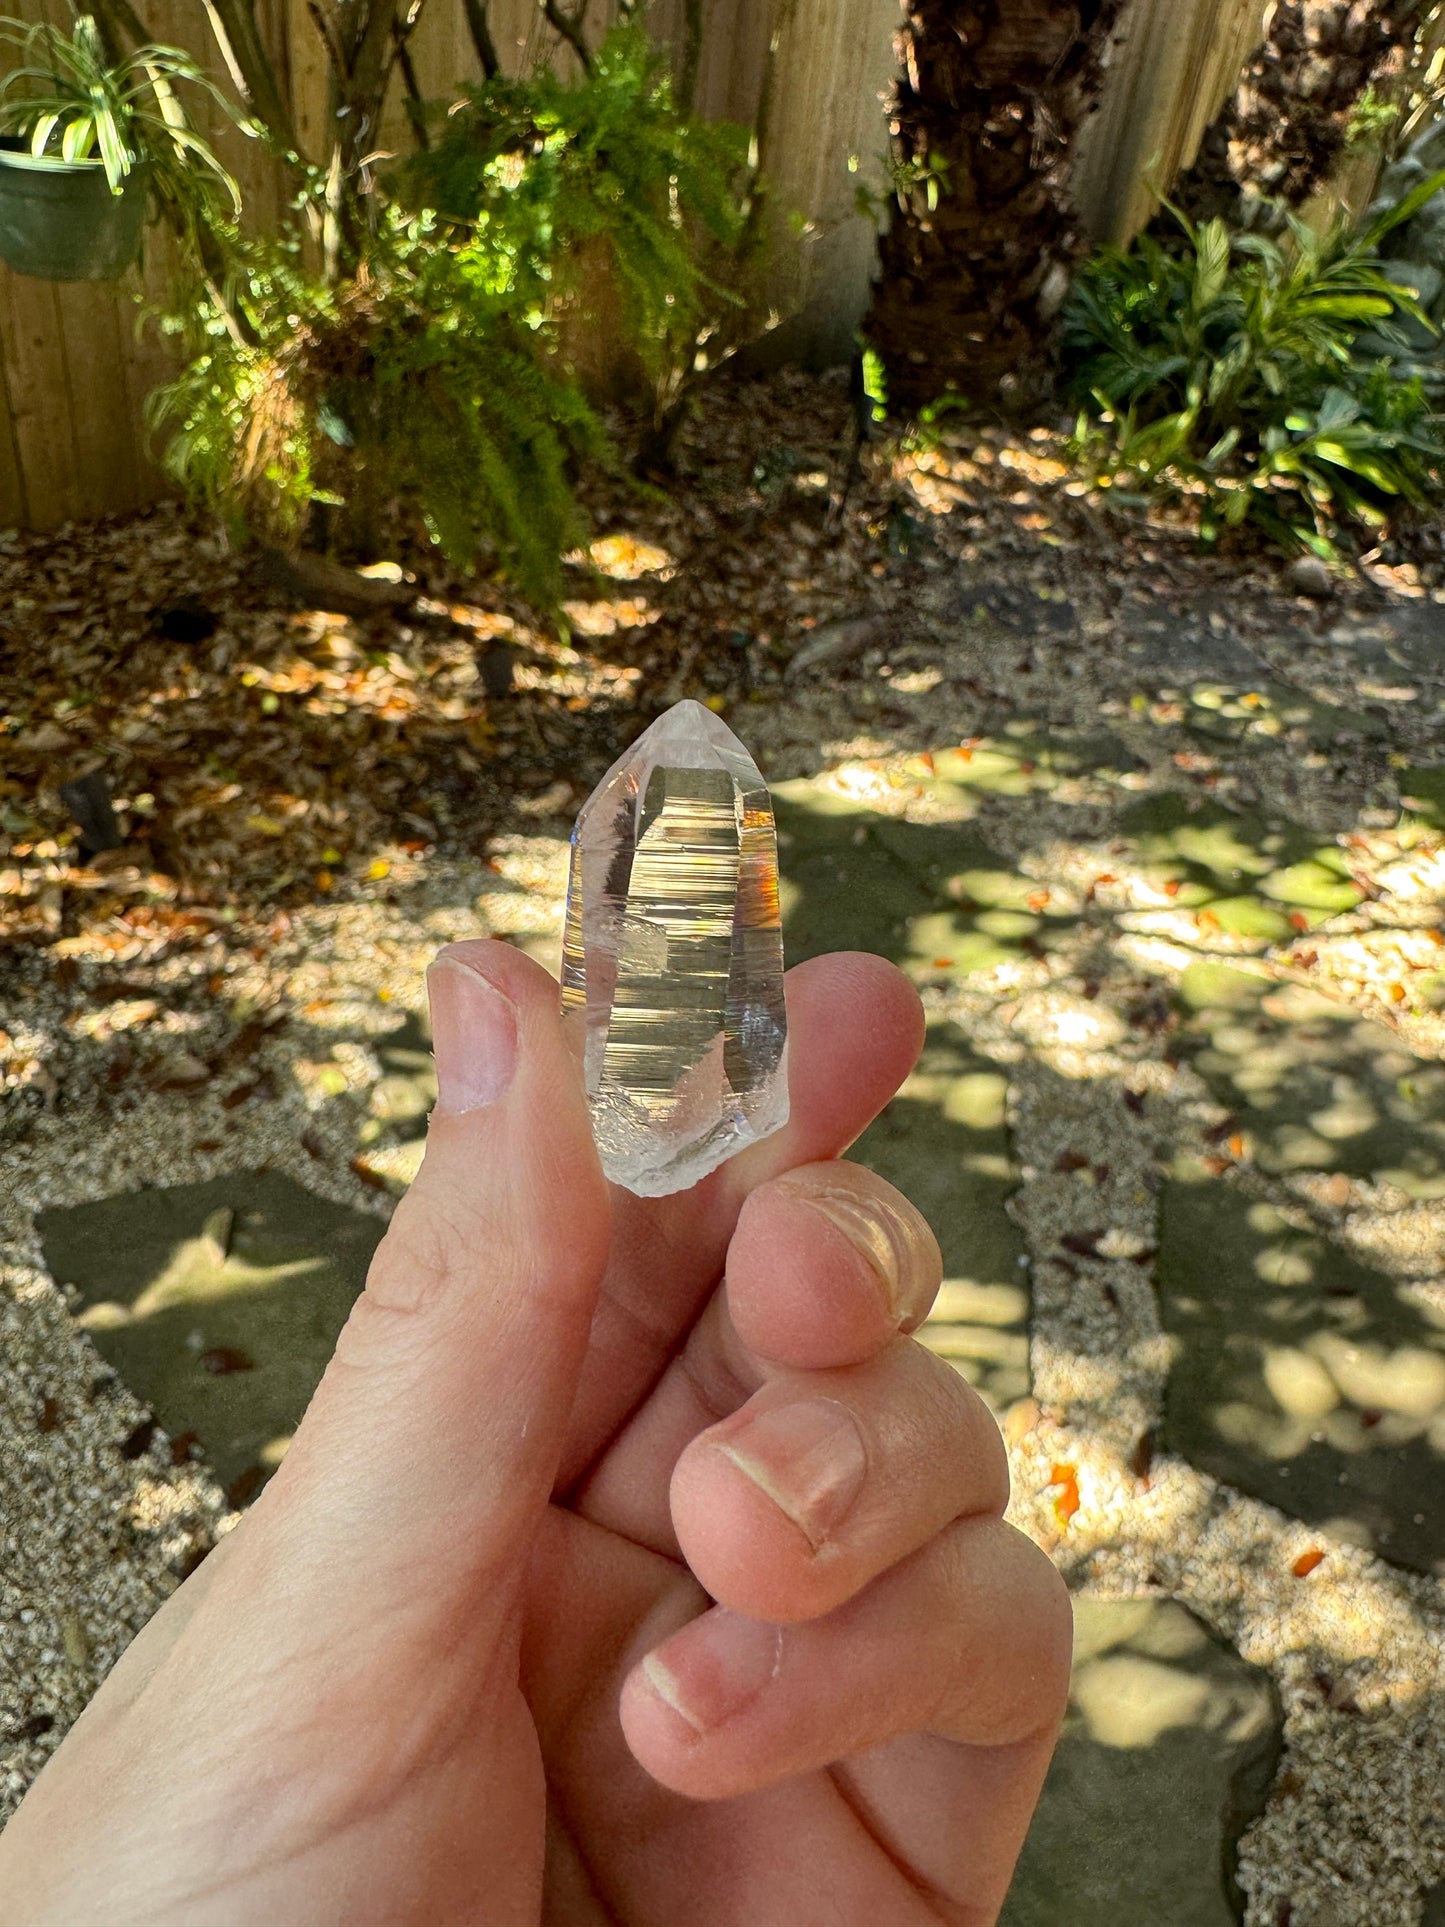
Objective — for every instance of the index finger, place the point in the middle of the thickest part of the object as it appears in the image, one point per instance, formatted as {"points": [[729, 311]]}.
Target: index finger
{"points": [[855, 1028]]}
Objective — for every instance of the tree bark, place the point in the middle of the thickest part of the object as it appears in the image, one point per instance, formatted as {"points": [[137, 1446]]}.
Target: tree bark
{"points": [[1284, 129], [986, 109]]}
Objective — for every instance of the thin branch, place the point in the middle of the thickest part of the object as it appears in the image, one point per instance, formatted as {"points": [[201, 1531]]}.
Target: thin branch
{"points": [[692, 34], [414, 100], [233, 25], [335, 57], [481, 32], [569, 26]]}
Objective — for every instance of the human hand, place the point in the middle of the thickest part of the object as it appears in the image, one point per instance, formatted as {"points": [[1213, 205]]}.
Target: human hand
{"points": [[460, 1662]]}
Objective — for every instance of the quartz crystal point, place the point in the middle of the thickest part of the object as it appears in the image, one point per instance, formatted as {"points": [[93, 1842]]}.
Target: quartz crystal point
{"points": [[673, 956]]}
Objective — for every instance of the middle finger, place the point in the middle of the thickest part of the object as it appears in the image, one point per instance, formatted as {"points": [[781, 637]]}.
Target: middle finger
{"points": [[824, 1480], [806, 1287]]}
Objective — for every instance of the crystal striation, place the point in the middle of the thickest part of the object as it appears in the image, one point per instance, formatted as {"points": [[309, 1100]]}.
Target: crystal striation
{"points": [[673, 955]]}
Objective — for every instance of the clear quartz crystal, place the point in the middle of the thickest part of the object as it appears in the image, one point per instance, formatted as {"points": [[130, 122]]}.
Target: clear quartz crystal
{"points": [[673, 955]]}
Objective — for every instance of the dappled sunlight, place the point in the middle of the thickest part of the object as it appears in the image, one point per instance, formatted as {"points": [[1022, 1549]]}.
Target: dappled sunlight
{"points": [[1130, 1700], [193, 1277], [625, 558], [218, 1304], [1297, 1373], [981, 1330]]}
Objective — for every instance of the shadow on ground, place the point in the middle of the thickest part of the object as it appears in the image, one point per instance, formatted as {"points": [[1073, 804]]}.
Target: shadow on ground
{"points": [[218, 1304]]}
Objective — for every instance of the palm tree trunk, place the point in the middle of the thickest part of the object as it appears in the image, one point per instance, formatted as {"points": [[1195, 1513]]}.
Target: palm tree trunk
{"points": [[1284, 129], [986, 109]]}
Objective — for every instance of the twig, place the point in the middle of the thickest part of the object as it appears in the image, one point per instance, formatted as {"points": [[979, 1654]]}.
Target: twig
{"points": [[400, 56], [752, 234], [481, 32], [692, 35], [569, 26], [329, 40], [414, 100]]}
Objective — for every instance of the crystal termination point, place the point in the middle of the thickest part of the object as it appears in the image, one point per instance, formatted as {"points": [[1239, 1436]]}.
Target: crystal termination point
{"points": [[673, 955]]}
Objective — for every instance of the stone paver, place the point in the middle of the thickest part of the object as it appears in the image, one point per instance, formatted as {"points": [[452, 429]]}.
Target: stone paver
{"points": [[1303, 1377], [1168, 1751], [217, 1303]]}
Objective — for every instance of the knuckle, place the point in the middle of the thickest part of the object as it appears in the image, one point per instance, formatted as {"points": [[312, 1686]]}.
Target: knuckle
{"points": [[1053, 1642], [1009, 1678], [424, 1250], [962, 1433], [416, 1276]]}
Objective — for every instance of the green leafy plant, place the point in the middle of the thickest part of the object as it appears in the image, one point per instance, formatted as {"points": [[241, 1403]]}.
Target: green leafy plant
{"points": [[562, 179], [419, 380], [1371, 119], [73, 97], [1225, 369], [434, 373]]}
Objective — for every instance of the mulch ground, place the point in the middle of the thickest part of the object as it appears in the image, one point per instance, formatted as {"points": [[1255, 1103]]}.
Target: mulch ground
{"points": [[261, 756]]}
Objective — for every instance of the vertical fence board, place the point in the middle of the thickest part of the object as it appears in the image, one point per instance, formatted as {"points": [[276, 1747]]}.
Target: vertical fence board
{"points": [[102, 425], [14, 510], [834, 64], [1173, 65], [39, 386]]}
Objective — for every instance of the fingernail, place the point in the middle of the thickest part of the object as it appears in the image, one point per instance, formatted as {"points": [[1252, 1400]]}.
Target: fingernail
{"points": [[872, 1230], [809, 1458], [721, 1663], [474, 1038]]}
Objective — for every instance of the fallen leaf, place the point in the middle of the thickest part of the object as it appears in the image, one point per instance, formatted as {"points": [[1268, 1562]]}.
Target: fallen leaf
{"points": [[244, 1487], [223, 1359], [1084, 1244], [138, 1439]]}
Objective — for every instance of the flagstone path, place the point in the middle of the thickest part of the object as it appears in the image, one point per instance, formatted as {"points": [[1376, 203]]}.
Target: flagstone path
{"points": [[1179, 1123]]}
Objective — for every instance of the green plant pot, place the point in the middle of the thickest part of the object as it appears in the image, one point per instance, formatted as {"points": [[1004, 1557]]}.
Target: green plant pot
{"points": [[60, 221]]}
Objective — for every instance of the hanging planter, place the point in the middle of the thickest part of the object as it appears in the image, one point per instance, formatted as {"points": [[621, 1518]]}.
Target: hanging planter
{"points": [[59, 219], [90, 137]]}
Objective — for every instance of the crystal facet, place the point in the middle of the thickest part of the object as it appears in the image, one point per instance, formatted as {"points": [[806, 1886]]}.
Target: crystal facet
{"points": [[673, 957]]}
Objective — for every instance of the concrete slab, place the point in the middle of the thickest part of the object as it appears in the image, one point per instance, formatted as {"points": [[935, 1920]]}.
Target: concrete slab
{"points": [[1169, 1746], [217, 1303]]}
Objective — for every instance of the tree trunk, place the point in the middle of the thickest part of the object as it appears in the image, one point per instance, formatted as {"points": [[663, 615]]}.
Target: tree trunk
{"points": [[985, 112], [1284, 129]]}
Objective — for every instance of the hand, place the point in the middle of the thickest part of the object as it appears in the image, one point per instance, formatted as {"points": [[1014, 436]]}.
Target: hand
{"points": [[460, 1662]]}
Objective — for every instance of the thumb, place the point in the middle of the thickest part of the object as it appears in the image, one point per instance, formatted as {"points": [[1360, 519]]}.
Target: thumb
{"points": [[430, 1447]]}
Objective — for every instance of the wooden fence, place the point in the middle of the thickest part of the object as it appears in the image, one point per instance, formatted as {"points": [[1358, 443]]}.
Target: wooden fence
{"points": [[75, 369], [1174, 64]]}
